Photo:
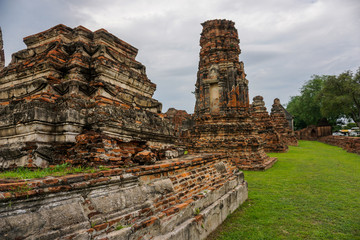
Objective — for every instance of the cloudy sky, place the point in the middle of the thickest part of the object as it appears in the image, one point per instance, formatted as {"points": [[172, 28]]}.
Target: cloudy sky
{"points": [[283, 42]]}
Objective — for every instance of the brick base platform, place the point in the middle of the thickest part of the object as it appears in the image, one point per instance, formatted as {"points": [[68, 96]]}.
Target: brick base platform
{"points": [[184, 198]]}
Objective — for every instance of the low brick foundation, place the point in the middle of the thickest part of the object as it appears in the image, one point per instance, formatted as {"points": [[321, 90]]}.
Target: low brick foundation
{"points": [[350, 144], [183, 198]]}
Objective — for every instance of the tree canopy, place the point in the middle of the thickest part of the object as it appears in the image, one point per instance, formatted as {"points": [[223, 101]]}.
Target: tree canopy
{"points": [[341, 96], [327, 96]]}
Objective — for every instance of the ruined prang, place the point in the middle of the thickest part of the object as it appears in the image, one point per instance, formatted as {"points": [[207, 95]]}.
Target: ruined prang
{"points": [[73, 90], [265, 126], [2, 55], [283, 123], [223, 121]]}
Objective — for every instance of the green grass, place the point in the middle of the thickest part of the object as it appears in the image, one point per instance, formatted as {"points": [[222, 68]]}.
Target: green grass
{"points": [[312, 192], [58, 170]]}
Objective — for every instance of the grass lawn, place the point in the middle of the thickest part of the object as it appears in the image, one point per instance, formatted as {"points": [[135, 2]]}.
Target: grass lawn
{"points": [[58, 170], [312, 192]]}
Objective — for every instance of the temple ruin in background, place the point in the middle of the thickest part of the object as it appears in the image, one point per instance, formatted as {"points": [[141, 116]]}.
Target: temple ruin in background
{"points": [[265, 126], [283, 123], [314, 132]]}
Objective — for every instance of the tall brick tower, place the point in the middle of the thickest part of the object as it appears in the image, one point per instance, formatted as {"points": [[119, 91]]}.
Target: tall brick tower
{"points": [[2, 55], [223, 120], [221, 85]]}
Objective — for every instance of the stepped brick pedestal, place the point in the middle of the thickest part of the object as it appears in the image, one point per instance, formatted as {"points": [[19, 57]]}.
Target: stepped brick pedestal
{"points": [[223, 122]]}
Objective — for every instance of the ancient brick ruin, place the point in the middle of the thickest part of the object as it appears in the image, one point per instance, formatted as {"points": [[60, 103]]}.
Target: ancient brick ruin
{"points": [[223, 123], [80, 97], [313, 132], [283, 123], [265, 126], [74, 81]]}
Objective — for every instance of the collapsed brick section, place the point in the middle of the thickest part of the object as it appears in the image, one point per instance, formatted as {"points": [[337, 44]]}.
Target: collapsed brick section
{"points": [[69, 81], [265, 126], [222, 116], [93, 149], [350, 144], [283, 123]]}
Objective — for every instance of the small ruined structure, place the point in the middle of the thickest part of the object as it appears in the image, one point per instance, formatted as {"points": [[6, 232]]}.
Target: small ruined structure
{"points": [[283, 123], [223, 121], [80, 97], [265, 127], [2, 54], [73, 88], [314, 132]]}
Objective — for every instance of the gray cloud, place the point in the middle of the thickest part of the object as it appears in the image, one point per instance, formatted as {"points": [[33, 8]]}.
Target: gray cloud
{"points": [[283, 42]]}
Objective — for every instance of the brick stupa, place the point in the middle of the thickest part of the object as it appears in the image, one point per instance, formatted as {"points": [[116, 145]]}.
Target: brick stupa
{"points": [[283, 122], [80, 95], [223, 121], [265, 126]]}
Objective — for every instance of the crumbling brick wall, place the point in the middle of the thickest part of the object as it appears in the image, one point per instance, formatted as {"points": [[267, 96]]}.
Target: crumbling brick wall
{"points": [[313, 132], [350, 144]]}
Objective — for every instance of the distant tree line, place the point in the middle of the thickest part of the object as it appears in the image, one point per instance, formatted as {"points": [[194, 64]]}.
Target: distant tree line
{"points": [[327, 97]]}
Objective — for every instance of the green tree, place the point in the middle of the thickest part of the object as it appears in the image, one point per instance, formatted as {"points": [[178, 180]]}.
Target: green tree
{"points": [[294, 107], [340, 96], [306, 108]]}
